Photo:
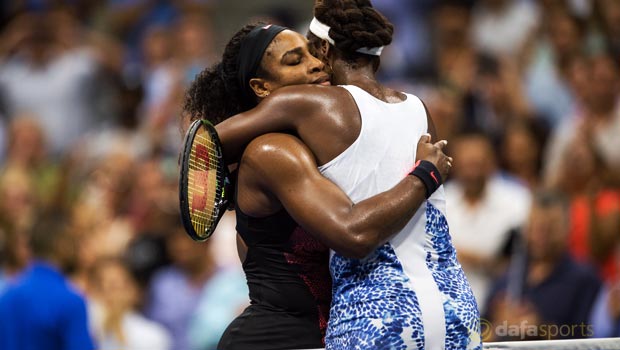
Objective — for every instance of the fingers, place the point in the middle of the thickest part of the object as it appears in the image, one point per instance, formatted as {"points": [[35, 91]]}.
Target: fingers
{"points": [[426, 138], [447, 166], [447, 161], [441, 144]]}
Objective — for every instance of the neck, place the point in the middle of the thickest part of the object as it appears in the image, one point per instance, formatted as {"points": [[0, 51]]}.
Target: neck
{"points": [[538, 272], [540, 269], [473, 194], [354, 74]]}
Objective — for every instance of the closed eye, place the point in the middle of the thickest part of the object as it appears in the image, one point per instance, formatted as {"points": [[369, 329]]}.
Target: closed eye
{"points": [[292, 57]]}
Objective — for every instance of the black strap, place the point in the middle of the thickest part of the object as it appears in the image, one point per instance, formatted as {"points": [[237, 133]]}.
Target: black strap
{"points": [[428, 173]]}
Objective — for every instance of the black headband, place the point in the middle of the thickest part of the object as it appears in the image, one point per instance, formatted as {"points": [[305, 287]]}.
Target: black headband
{"points": [[253, 47]]}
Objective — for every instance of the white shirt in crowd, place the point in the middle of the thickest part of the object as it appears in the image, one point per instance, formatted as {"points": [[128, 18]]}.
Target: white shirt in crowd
{"points": [[140, 333], [483, 229]]}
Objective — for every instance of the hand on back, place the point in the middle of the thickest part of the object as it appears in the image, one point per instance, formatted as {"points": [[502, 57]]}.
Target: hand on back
{"points": [[433, 152]]}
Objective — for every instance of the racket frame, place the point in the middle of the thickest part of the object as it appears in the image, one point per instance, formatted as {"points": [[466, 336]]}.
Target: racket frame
{"points": [[221, 199]]}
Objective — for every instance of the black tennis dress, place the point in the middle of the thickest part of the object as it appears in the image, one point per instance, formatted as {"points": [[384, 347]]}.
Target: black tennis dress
{"points": [[287, 271]]}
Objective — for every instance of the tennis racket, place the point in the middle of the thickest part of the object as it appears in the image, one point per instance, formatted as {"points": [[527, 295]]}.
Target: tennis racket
{"points": [[203, 182]]}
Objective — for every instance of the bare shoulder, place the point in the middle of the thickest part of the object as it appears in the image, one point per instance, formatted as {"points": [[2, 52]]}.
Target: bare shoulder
{"points": [[273, 143], [306, 95], [277, 151]]}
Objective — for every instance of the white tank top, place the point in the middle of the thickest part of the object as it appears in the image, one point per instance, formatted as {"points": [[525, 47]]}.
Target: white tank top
{"points": [[386, 146], [411, 291]]}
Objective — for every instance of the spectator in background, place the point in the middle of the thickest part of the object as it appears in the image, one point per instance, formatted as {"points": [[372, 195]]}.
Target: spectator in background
{"points": [[497, 97], [163, 82], [175, 290], [153, 211], [173, 58], [124, 208], [409, 54], [502, 27], [547, 64], [482, 210], [159, 75], [153, 197], [553, 289], [521, 148], [114, 296], [605, 316], [27, 151], [598, 121], [455, 57], [46, 70], [594, 208], [193, 45], [223, 298], [100, 222], [14, 253], [130, 19], [609, 13], [460, 71], [42, 310], [18, 199], [152, 215], [446, 105], [26, 144]]}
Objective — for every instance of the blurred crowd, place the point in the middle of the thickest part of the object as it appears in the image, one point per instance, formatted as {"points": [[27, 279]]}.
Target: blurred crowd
{"points": [[526, 92]]}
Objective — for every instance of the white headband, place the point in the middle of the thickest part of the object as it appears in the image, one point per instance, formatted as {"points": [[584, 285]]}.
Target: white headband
{"points": [[321, 30]]}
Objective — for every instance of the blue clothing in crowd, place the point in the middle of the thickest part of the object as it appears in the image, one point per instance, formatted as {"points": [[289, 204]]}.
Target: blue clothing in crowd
{"points": [[42, 311], [565, 297], [604, 323]]}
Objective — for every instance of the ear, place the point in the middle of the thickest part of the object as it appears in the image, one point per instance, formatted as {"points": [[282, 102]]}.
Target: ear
{"points": [[261, 87], [324, 48]]}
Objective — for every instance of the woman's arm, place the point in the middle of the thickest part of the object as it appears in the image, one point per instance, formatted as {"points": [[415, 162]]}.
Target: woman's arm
{"points": [[280, 112], [283, 166]]}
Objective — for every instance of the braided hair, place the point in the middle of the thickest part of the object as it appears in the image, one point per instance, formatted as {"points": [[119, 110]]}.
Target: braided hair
{"points": [[354, 24], [215, 93]]}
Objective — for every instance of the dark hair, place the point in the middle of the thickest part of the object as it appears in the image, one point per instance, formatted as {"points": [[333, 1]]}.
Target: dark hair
{"points": [[354, 24], [215, 94]]}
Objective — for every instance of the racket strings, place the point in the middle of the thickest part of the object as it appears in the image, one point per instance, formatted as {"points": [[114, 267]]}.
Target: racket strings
{"points": [[207, 142], [204, 170], [203, 181]]}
